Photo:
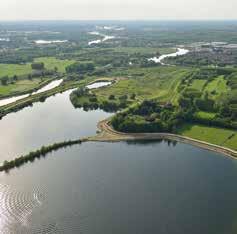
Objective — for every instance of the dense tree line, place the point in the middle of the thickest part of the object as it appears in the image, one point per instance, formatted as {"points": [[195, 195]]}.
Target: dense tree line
{"points": [[37, 66], [79, 67], [17, 162], [149, 116]]}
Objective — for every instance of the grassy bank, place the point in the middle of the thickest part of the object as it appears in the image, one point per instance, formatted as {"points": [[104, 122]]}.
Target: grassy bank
{"points": [[23, 86], [214, 135]]}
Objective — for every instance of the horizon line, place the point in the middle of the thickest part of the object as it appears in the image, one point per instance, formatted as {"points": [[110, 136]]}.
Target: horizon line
{"points": [[133, 20]]}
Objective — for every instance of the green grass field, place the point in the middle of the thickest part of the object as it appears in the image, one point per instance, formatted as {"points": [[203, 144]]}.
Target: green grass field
{"points": [[217, 87], [157, 82], [218, 136], [198, 84], [14, 69], [21, 86], [205, 115], [24, 69], [51, 63]]}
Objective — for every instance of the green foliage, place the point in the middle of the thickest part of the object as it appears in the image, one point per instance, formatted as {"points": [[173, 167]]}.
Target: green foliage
{"points": [[80, 67], [4, 80], [149, 116], [204, 104], [37, 66], [111, 97], [7, 165]]}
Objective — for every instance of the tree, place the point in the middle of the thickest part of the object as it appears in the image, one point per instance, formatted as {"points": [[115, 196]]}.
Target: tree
{"points": [[15, 77], [111, 97], [133, 96], [4, 80], [37, 66], [29, 77], [80, 67]]}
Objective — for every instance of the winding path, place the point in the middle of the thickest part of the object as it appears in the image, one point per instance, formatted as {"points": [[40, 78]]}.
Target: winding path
{"points": [[108, 134]]}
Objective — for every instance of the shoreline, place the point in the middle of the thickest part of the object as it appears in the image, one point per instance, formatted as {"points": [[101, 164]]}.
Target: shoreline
{"points": [[108, 134]]}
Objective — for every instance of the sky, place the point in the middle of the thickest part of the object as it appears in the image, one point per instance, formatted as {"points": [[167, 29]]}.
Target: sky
{"points": [[117, 9]]}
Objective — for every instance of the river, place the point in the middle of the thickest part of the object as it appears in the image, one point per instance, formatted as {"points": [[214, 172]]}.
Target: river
{"points": [[139, 187], [98, 41], [179, 52]]}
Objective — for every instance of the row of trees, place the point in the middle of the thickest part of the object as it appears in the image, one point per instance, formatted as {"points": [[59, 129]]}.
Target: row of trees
{"points": [[82, 68], [17, 162]]}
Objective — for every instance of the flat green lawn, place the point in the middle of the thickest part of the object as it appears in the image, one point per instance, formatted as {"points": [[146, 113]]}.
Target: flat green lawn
{"points": [[205, 115], [24, 69], [218, 136], [51, 63], [198, 84], [218, 86], [14, 69]]}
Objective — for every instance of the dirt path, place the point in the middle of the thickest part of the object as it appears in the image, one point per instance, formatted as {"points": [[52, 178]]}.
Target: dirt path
{"points": [[108, 134]]}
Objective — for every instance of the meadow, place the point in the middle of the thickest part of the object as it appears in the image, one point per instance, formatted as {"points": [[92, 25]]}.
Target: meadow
{"points": [[25, 69], [155, 82], [214, 135], [21, 86]]}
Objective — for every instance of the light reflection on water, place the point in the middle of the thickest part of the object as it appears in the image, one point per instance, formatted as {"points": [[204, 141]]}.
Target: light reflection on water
{"points": [[122, 188]]}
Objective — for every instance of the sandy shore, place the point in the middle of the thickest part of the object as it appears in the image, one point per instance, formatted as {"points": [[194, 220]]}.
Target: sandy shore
{"points": [[108, 134]]}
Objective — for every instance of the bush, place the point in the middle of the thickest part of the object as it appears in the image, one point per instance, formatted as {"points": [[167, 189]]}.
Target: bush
{"points": [[37, 66], [80, 67], [111, 97]]}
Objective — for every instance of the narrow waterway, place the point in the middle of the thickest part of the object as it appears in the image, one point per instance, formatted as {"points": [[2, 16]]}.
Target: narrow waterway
{"points": [[98, 41], [51, 85], [97, 85], [179, 52]]}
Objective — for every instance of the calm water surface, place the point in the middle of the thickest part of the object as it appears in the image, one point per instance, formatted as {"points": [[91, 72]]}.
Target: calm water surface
{"points": [[45, 123], [121, 188], [104, 188]]}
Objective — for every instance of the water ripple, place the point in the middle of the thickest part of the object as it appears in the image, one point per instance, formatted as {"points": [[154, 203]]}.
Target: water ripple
{"points": [[16, 207]]}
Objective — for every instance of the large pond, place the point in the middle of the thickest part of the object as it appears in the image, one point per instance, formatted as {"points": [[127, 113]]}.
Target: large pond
{"points": [[122, 188]]}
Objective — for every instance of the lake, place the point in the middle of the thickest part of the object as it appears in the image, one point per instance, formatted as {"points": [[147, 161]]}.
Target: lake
{"points": [[45, 123], [121, 188], [100, 188]]}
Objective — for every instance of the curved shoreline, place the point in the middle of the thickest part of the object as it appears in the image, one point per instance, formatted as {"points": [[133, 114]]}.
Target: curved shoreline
{"points": [[107, 133]]}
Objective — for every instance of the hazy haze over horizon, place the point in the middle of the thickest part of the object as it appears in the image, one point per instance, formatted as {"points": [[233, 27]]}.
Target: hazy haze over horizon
{"points": [[117, 9]]}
